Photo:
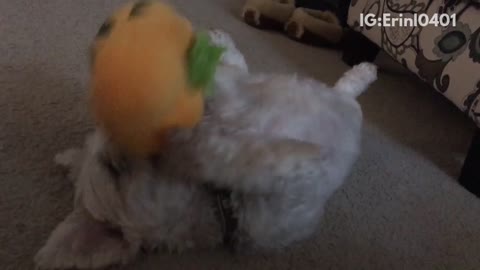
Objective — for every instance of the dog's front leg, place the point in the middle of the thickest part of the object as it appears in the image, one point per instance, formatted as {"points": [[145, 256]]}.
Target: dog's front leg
{"points": [[68, 157], [70, 160]]}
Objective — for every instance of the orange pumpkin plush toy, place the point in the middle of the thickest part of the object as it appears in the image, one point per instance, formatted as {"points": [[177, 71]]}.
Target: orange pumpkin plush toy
{"points": [[149, 76]]}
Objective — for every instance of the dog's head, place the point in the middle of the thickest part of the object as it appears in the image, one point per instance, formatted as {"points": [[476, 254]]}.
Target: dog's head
{"points": [[90, 236]]}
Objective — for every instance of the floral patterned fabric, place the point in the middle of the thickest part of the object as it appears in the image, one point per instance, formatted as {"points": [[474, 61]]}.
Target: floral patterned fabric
{"points": [[448, 58]]}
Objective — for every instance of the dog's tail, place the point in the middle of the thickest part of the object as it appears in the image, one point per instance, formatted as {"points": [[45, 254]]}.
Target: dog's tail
{"points": [[355, 81]]}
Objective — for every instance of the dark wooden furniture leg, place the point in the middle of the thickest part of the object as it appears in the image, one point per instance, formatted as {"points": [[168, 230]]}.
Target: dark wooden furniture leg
{"points": [[470, 175], [357, 48]]}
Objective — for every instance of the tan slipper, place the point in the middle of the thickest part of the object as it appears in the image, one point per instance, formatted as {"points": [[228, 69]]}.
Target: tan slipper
{"points": [[271, 14], [320, 28]]}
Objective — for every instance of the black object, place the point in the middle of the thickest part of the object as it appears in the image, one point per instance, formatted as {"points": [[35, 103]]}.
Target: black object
{"points": [[222, 203], [138, 8], [357, 48], [105, 28], [338, 7], [470, 175]]}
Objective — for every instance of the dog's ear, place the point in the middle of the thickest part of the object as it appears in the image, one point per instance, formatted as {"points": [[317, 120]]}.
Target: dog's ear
{"points": [[82, 242]]}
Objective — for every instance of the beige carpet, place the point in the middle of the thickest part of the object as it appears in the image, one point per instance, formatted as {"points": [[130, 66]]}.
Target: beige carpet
{"points": [[400, 209]]}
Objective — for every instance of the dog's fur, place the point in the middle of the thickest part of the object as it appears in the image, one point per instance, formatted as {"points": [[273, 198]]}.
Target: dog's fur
{"points": [[280, 143]]}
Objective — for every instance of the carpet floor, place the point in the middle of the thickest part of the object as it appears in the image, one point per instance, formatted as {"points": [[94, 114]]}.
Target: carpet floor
{"points": [[401, 208]]}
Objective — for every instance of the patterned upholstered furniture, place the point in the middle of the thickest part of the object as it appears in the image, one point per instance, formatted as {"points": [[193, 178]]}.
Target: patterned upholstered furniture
{"points": [[447, 58]]}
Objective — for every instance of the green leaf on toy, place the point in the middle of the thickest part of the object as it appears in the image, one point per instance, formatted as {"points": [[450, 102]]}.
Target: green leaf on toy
{"points": [[203, 60]]}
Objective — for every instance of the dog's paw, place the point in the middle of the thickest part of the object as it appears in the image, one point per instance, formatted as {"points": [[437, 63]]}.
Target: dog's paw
{"points": [[221, 38], [232, 55], [67, 157], [367, 71]]}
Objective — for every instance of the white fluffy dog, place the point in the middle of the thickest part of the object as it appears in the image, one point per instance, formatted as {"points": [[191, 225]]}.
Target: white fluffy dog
{"points": [[256, 173]]}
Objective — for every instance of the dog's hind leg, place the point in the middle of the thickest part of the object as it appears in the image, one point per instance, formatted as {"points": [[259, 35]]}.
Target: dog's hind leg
{"points": [[283, 186], [254, 164], [81, 242], [355, 81]]}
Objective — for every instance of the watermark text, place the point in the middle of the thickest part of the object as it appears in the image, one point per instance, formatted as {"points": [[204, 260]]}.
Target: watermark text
{"points": [[413, 20]]}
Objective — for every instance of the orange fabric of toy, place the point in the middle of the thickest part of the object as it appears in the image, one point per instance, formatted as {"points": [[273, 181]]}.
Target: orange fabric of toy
{"points": [[140, 90]]}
